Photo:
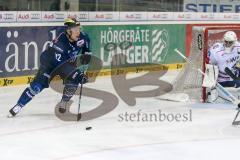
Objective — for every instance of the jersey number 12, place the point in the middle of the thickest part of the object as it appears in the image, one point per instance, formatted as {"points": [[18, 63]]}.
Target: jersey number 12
{"points": [[58, 57]]}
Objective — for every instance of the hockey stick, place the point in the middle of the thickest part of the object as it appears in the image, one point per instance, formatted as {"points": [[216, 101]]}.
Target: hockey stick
{"points": [[235, 122], [230, 73], [232, 98], [79, 115], [175, 97]]}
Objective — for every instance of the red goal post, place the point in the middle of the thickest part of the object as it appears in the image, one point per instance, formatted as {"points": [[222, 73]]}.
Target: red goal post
{"points": [[211, 36], [202, 37]]}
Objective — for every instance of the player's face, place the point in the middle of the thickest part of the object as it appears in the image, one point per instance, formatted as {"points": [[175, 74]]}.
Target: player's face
{"points": [[75, 33], [228, 43]]}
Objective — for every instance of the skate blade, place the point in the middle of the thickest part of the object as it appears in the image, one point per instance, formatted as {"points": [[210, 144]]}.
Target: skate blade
{"points": [[10, 116]]}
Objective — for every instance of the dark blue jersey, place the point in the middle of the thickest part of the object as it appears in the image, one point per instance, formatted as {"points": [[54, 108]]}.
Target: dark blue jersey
{"points": [[61, 49]]}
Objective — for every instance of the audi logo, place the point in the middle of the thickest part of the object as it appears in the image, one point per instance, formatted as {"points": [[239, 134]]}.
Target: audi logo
{"points": [[82, 16], [59, 16], [8, 16], [35, 16]]}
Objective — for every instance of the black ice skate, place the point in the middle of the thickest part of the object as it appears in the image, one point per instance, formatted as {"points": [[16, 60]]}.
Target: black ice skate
{"points": [[14, 111], [62, 106]]}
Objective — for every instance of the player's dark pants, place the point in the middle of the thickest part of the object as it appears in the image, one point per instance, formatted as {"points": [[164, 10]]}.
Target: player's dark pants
{"points": [[47, 70]]}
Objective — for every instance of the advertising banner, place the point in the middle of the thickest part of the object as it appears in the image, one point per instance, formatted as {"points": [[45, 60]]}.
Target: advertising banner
{"points": [[54, 16], [188, 15], [80, 16], [211, 6], [155, 16], [229, 16], [8, 16], [205, 16], [184, 16], [141, 45], [24, 16], [104, 16], [20, 48], [133, 16]]}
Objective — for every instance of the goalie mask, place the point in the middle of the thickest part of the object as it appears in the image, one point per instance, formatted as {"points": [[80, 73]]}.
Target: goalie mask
{"points": [[229, 38]]}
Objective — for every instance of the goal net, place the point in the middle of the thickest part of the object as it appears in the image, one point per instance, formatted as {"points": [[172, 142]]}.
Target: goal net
{"points": [[189, 80]]}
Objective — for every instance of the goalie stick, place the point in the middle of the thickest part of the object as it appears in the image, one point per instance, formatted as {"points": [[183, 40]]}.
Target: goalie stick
{"points": [[232, 98], [231, 74]]}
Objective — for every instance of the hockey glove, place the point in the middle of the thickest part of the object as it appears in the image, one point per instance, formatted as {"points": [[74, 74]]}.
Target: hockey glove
{"points": [[84, 60]]}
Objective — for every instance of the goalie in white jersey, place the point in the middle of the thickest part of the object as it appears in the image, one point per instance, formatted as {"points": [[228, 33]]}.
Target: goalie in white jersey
{"points": [[226, 55]]}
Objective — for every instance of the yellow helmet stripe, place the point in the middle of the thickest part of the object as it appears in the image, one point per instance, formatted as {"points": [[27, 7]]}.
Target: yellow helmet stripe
{"points": [[68, 20]]}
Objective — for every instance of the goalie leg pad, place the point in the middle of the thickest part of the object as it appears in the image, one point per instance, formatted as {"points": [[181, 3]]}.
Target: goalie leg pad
{"points": [[210, 78], [212, 95]]}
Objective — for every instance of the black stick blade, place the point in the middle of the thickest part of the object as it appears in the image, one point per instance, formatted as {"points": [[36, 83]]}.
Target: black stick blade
{"points": [[79, 116], [235, 122]]}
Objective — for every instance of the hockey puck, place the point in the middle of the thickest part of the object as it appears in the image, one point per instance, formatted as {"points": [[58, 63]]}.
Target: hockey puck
{"points": [[88, 128]]}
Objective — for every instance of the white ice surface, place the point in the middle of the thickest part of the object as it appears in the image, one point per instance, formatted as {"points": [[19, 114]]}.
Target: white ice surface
{"points": [[37, 134]]}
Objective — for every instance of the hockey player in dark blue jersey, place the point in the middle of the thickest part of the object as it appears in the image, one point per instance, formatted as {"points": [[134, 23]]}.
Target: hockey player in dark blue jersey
{"points": [[60, 59]]}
